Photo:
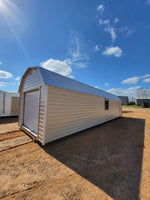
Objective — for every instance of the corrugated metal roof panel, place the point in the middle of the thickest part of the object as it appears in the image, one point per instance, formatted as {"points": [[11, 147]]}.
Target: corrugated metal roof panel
{"points": [[54, 79]]}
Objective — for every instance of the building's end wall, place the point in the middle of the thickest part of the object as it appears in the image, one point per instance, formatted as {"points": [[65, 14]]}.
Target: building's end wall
{"points": [[30, 82], [42, 116], [70, 111]]}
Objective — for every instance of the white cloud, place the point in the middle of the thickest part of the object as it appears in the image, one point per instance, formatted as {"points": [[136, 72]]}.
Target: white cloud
{"points": [[75, 50], [3, 84], [129, 32], [112, 32], [131, 80], [105, 22], [146, 75], [77, 58], [134, 80], [125, 31], [106, 84], [100, 8], [115, 51], [130, 92], [147, 80], [80, 65], [18, 78], [60, 67], [96, 87], [78, 51], [4, 74], [1, 63], [115, 91], [96, 48], [116, 20], [71, 76]]}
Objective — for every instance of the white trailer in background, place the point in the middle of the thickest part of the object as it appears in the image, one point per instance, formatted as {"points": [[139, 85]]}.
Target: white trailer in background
{"points": [[9, 104], [53, 106]]}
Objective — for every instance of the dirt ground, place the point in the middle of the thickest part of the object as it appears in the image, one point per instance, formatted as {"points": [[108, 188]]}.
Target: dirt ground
{"points": [[8, 124], [109, 161]]}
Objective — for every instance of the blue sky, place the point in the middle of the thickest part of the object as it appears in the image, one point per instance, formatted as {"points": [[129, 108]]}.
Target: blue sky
{"points": [[105, 44]]}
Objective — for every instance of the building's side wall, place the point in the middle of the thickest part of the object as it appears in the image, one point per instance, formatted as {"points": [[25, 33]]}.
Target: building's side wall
{"points": [[69, 112], [140, 101]]}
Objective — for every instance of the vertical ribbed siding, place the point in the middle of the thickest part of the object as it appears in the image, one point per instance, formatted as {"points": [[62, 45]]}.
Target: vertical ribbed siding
{"points": [[42, 107], [32, 80], [70, 111]]}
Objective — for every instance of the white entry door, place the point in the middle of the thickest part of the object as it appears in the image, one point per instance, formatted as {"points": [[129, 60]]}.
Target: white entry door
{"points": [[31, 110]]}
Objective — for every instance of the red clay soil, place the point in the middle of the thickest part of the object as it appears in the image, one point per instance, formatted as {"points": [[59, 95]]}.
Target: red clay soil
{"points": [[110, 161]]}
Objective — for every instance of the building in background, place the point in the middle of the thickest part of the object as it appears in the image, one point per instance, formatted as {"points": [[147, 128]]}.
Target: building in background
{"points": [[9, 104], [124, 99], [145, 102]]}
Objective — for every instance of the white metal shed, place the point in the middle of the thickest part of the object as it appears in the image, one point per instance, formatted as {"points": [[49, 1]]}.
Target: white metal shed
{"points": [[9, 104], [53, 106]]}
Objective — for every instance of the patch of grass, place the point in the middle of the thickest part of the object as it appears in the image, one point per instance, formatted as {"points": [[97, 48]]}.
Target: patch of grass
{"points": [[135, 106]]}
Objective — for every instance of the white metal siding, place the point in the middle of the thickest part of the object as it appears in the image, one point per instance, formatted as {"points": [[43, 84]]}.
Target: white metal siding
{"points": [[70, 106], [32, 81], [70, 111], [7, 104]]}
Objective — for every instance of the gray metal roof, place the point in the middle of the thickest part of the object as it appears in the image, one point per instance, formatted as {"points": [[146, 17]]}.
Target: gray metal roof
{"points": [[54, 79]]}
